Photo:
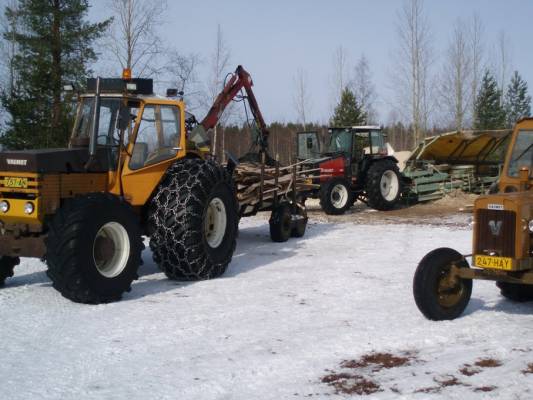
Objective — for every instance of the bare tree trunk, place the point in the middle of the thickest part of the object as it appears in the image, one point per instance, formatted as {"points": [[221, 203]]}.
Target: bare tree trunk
{"points": [[476, 53], [301, 98], [56, 72], [454, 87], [364, 90], [414, 63], [218, 69], [339, 79], [504, 63]]}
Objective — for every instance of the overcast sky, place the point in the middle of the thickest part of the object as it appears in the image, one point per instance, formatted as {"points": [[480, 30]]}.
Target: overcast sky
{"points": [[272, 39]]}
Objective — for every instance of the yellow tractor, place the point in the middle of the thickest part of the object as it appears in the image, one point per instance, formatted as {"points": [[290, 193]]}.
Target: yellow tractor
{"points": [[137, 164], [502, 248]]}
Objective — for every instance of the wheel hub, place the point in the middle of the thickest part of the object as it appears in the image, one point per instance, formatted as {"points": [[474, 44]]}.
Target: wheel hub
{"points": [[449, 289], [215, 222], [389, 185], [104, 248], [111, 249], [339, 196]]}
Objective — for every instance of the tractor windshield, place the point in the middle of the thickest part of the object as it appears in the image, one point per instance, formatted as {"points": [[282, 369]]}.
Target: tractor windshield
{"points": [[107, 134], [522, 155], [340, 141]]}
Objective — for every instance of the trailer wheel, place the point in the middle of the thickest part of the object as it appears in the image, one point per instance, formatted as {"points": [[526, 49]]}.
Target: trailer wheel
{"points": [[7, 265], [280, 223], [336, 196], [383, 185], [93, 248], [516, 291], [300, 223], [438, 295], [194, 216]]}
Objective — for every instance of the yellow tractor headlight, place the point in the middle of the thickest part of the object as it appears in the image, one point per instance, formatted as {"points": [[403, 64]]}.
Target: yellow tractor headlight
{"points": [[29, 208], [530, 225], [4, 206]]}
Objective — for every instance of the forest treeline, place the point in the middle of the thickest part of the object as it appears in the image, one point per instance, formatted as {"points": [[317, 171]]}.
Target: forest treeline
{"points": [[47, 44]]}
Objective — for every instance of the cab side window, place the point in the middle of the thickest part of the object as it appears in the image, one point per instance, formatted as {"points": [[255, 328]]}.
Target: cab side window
{"points": [[158, 136]]}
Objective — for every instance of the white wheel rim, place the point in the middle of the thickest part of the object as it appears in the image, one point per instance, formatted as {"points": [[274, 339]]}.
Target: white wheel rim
{"points": [[215, 222], [389, 185], [111, 249], [339, 196]]}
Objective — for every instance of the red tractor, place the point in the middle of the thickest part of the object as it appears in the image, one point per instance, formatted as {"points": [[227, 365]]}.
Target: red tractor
{"points": [[355, 165]]}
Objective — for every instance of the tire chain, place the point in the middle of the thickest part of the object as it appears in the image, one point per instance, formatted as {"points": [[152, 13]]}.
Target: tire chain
{"points": [[176, 220]]}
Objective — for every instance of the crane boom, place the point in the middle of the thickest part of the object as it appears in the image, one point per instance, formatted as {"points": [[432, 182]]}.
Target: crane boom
{"points": [[239, 80]]}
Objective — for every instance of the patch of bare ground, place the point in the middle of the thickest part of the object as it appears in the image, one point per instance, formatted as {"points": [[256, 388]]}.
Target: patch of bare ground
{"points": [[488, 363], [357, 380], [444, 382], [379, 361], [444, 212], [469, 370], [345, 383], [485, 388], [528, 370]]}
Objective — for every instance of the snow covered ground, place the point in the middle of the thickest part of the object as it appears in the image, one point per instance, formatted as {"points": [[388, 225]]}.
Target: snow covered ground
{"points": [[281, 318]]}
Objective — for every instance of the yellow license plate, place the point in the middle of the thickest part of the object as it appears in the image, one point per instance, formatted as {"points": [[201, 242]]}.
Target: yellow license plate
{"points": [[504, 263], [16, 182]]}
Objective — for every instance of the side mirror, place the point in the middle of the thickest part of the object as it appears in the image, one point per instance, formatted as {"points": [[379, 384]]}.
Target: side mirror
{"points": [[123, 118]]}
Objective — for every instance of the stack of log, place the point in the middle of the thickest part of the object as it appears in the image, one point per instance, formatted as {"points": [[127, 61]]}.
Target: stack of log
{"points": [[279, 181]]}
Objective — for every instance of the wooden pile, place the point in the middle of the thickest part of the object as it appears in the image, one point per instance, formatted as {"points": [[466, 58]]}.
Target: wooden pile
{"points": [[251, 189]]}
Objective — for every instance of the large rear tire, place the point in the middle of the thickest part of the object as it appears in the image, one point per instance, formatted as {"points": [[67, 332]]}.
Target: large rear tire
{"points": [[336, 196], [515, 291], [280, 223], [300, 223], [7, 265], [383, 185], [194, 218], [438, 296], [93, 248]]}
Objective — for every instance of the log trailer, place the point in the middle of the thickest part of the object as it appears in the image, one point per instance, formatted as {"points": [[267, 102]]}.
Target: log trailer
{"points": [[137, 164]]}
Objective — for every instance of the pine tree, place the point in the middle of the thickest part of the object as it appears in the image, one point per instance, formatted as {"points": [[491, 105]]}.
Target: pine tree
{"points": [[348, 112], [55, 46], [517, 101], [490, 114]]}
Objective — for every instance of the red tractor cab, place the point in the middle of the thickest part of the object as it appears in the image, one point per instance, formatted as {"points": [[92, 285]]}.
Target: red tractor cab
{"points": [[354, 164]]}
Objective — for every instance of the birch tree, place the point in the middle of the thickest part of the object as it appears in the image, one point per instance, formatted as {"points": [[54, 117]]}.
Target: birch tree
{"points": [[339, 78], [412, 66], [219, 67], [302, 97], [134, 41], [182, 71], [504, 63], [477, 58], [364, 90], [456, 75]]}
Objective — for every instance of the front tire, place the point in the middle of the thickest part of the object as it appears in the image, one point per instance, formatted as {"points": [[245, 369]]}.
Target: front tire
{"points": [[7, 265], [194, 216], [93, 248], [336, 196], [438, 296], [383, 185]]}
